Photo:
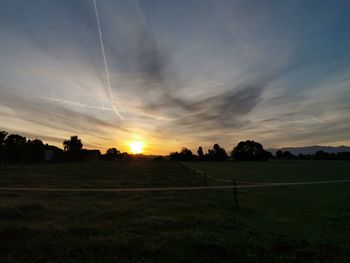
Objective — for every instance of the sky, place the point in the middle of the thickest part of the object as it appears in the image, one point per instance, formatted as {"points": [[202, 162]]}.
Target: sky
{"points": [[182, 73]]}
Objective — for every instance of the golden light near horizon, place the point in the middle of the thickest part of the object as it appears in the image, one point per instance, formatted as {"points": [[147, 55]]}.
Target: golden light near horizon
{"points": [[136, 147]]}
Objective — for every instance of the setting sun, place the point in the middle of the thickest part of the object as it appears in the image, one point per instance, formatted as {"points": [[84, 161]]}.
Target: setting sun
{"points": [[136, 147]]}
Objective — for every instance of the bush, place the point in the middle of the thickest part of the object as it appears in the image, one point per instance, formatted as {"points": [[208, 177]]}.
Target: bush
{"points": [[249, 151]]}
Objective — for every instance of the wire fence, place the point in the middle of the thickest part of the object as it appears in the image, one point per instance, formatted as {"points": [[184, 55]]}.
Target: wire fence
{"points": [[253, 184], [234, 185], [162, 189], [218, 179]]}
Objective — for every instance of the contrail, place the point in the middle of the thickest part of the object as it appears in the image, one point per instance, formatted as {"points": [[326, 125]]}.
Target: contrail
{"points": [[105, 62], [207, 81], [314, 118], [77, 104]]}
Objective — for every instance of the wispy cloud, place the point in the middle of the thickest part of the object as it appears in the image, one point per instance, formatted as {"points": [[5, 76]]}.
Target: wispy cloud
{"points": [[189, 73]]}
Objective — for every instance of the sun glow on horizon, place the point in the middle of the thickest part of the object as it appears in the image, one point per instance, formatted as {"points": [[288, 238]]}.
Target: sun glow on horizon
{"points": [[136, 147]]}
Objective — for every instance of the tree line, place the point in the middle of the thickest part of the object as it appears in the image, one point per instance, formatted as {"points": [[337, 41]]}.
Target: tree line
{"points": [[244, 151], [319, 155], [251, 151], [15, 148]]}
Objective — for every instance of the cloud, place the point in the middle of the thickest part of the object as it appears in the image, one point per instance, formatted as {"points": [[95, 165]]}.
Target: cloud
{"points": [[184, 73], [43, 113], [225, 110]]}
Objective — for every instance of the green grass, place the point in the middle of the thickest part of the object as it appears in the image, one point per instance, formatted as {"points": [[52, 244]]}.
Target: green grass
{"points": [[277, 171], [281, 224]]}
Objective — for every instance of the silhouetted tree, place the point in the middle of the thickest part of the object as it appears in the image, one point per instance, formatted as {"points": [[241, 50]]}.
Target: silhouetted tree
{"points": [[217, 153], [184, 155], [34, 151], [112, 154], [3, 135], [73, 150], [187, 154], [73, 145], [249, 151], [200, 153], [14, 147]]}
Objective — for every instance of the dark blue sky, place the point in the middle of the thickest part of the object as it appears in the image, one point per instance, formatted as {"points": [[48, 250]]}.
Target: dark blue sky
{"points": [[188, 72]]}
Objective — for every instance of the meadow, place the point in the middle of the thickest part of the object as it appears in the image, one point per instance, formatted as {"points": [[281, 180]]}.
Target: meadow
{"points": [[304, 223]]}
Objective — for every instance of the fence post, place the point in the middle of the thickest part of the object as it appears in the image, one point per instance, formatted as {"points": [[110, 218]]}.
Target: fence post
{"points": [[235, 193]]}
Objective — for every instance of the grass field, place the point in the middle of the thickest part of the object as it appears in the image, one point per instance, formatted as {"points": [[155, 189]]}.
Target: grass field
{"points": [[309, 223]]}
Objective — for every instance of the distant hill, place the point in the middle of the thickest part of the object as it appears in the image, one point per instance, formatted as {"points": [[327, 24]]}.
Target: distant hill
{"points": [[312, 149]]}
